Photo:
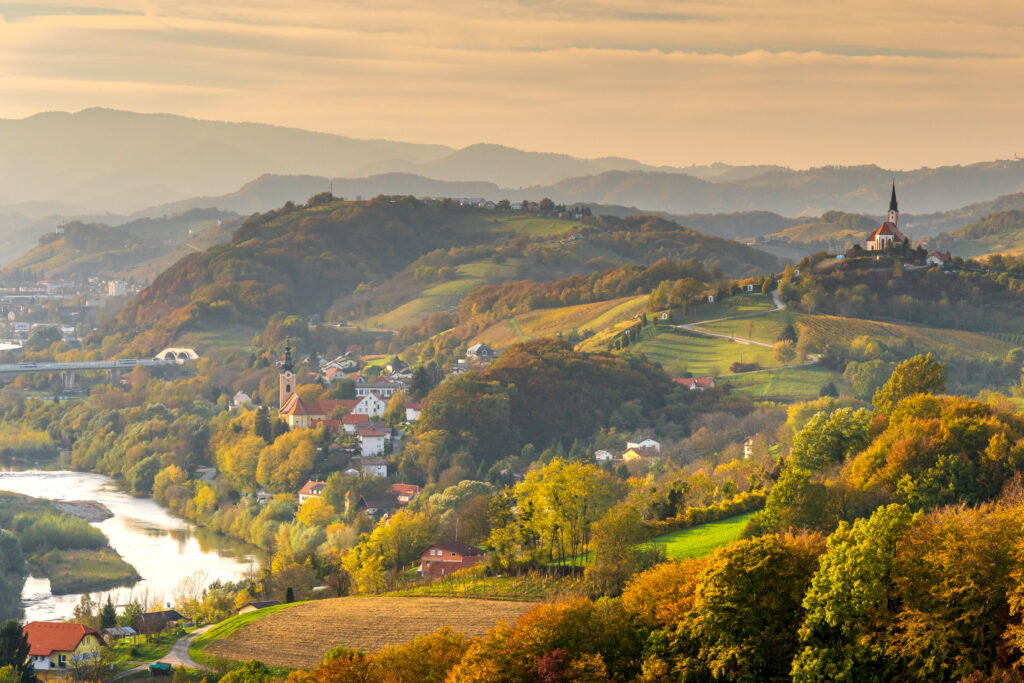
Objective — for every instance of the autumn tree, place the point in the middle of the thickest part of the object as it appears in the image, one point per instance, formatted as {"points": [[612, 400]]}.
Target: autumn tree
{"points": [[917, 375], [285, 464]]}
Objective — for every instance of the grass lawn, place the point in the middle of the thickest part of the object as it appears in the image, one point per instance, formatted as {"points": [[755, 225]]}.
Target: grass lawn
{"points": [[764, 328], [800, 383], [679, 351], [700, 540], [741, 304]]}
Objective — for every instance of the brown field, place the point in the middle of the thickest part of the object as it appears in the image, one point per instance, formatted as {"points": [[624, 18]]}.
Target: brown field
{"points": [[299, 636]]}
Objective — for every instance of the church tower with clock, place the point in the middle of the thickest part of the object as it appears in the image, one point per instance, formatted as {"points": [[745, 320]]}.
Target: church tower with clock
{"points": [[287, 382]]}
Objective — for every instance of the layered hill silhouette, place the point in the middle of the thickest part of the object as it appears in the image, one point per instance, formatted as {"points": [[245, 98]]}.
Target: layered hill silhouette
{"points": [[311, 260]]}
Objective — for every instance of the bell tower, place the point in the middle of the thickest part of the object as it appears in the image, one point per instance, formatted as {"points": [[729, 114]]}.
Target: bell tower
{"points": [[287, 382], [894, 210]]}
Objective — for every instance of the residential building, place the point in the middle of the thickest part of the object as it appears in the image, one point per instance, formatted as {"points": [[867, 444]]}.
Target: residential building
{"points": [[154, 622], [442, 559], [373, 440], [938, 258], [54, 646], [375, 467], [480, 352], [748, 447], [603, 456], [383, 388], [379, 504], [117, 288], [412, 411], [312, 489], [639, 453], [253, 606], [646, 443], [404, 492], [301, 414], [695, 383]]}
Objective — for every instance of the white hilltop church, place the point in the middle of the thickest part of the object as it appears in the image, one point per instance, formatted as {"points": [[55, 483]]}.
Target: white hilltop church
{"points": [[889, 233]]}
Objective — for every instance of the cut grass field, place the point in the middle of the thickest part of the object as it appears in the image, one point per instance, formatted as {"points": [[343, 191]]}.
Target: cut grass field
{"points": [[679, 351], [799, 383], [701, 540], [300, 634], [551, 322], [530, 225], [446, 295]]}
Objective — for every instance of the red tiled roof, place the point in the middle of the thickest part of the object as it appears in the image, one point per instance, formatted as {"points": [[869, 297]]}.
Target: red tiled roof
{"points": [[309, 488], [325, 406], [414, 406], [353, 419], [47, 637], [691, 382], [404, 489], [371, 432]]}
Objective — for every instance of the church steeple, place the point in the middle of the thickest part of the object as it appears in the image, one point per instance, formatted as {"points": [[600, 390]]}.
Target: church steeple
{"points": [[287, 381], [894, 209]]}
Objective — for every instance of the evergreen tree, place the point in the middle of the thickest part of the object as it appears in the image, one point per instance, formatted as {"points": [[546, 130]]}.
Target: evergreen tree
{"points": [[262, 426], [14, 651], [108, 615], [289, 595]]}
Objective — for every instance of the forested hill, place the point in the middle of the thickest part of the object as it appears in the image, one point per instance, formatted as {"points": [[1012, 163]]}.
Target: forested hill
{"points": [[304, 260], [999, 233]]}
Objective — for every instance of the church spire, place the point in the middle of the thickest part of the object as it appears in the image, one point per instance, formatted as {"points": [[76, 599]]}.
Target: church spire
{"points": [[892, 201], [287, 366]]}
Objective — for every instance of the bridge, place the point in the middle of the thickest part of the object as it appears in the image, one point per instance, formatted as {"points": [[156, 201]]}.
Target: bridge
{"points": [[169, 357]]}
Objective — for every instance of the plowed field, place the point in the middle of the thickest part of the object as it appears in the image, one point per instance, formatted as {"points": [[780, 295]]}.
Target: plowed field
{"points": [[298, 637]]}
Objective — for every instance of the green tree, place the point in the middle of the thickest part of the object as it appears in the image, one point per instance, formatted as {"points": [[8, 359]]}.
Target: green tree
{"points": [[851, 603], [830, 438], [108, 615], [14, 651], [253, 671], [262, 426], [747, 601], [917, 375], [615, 551]]}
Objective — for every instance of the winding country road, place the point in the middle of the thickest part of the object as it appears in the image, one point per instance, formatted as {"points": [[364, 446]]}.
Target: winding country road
{"points": [[695, 328], [178, 656]]}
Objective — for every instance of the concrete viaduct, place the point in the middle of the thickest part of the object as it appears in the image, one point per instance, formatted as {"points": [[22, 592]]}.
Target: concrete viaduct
{"points": [[167, 358]]}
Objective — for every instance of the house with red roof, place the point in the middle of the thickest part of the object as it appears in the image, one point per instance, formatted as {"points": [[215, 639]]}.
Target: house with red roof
{"points": [[404, 492], [300, 414], [54, 647], [312, 489], [412, 411], [442, 559], [695, 383]]}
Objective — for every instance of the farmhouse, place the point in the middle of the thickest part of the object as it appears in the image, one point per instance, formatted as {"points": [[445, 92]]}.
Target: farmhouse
{"points": [[646, 443], [55, 646], [938, 258], [442, 559], [888, 234], [253, 606], [695, 383], [154, 622], [312, 489], [480, 353]]}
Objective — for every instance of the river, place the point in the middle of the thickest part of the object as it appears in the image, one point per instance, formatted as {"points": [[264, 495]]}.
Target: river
{"points": [[161, 547]]}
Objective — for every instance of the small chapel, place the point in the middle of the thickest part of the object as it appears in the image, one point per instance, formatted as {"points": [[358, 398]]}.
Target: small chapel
{"points": [[889, 233]]}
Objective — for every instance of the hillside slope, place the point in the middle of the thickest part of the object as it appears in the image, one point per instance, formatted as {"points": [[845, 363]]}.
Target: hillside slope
{"points": [[140, 249], [336, 259], [998, 233]]}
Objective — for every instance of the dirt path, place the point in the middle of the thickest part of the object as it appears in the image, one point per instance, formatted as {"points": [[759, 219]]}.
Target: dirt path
{"points": [[178, 656]]}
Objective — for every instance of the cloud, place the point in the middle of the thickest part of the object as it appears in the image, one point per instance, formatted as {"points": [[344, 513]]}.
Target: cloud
{"points": [[16, 11], [674, 82]]}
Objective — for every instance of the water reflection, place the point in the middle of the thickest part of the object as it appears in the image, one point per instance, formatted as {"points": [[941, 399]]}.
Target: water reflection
{"points": [[161, 547]]}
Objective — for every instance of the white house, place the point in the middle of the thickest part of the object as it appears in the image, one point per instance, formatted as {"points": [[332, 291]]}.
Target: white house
{"points": [[646, 443], [240, 399], [412, 412], [748, 447], [373, 440], [370, 404], [382, 388], [603, 456], [376, 468], [312, 489]]}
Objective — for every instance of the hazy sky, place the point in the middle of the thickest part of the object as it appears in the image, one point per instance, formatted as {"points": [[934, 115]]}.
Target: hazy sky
{"points": [[797, 82]]}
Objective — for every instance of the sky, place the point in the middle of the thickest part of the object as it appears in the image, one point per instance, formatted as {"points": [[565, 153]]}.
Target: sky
{"points": [[801, 83]]}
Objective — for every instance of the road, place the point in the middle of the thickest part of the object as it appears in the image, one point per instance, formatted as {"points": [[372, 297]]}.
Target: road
{"points": [[178, 656], [695, 328]]}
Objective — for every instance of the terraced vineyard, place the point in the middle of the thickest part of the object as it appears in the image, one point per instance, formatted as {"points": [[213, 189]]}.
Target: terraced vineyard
{"points": [[553, 321], [845, 330]]}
